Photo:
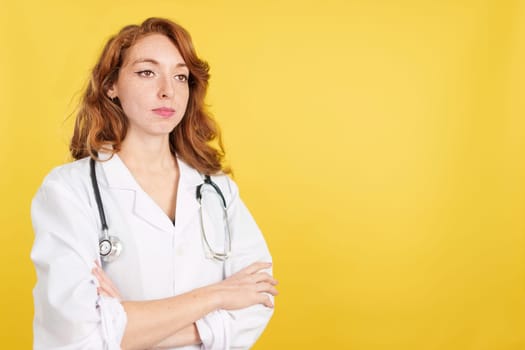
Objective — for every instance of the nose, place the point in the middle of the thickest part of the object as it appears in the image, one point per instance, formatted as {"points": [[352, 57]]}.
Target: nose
{"points": [[165, 88]]}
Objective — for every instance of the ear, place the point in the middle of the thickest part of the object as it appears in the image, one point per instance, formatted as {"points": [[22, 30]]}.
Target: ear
{"points": [[112, 92]]}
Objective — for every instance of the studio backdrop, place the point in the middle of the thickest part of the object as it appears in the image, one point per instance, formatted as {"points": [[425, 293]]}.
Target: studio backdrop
{"points": [[380, 145]]}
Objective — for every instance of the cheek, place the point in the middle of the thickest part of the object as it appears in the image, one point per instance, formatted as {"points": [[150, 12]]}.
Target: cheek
{"points": [[130, 100], [184, 94], [183, 99], [129, 91], [187, 97], [128, 105]]}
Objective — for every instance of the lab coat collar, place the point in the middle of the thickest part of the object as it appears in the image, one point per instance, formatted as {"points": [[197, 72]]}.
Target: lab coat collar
{"points": [[119, 177], [117, 173]]}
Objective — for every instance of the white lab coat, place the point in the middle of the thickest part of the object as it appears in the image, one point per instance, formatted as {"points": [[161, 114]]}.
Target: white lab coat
{"points": [[159, 259]]}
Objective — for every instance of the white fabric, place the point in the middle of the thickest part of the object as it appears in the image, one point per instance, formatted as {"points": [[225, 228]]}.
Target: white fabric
{"points": [[159, 259]]}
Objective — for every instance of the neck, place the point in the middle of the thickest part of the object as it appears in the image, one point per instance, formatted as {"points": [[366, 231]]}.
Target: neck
{"points": [[143, 153]]}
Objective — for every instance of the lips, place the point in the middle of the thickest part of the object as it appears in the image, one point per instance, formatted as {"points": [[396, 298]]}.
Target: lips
{"points": [[164, 111]]}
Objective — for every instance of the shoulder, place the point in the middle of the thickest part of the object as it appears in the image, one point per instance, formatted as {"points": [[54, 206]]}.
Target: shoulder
{"points": [[70, 178], [226, 184], [69, 172]]}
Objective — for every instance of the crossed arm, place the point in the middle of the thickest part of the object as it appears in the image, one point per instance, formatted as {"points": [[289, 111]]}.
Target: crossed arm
{"points": [[170, 322]]}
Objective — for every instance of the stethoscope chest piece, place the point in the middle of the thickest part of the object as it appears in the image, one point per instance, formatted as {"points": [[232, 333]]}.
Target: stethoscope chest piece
{"points": [[110, 247]]}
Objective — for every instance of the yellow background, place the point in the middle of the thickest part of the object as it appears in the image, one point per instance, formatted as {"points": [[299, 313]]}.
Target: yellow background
{"points": [[379, 144]]}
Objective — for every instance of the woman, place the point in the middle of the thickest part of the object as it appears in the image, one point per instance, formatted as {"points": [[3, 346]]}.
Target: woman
{"points": [[183, 262]]}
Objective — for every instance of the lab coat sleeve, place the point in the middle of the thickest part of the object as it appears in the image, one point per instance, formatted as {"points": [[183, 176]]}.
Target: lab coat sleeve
{"points": [[238, 329], [68, 312]]}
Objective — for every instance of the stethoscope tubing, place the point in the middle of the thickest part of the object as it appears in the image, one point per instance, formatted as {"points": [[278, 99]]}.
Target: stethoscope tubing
{"points": [[110, 247]]}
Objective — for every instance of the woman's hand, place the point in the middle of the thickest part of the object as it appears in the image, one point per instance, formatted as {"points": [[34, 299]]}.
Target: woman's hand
{"points": [[106, 286], [247, 287]]}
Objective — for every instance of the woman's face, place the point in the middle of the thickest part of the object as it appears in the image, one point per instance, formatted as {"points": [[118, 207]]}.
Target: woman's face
{"points": [[152, 86]]}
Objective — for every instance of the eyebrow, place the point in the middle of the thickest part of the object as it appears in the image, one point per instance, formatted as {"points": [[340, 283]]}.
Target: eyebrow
{"points": [[151, 60]]}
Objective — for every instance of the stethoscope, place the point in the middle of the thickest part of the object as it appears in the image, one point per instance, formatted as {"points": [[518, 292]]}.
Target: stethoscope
{"points": [[110, 247]]}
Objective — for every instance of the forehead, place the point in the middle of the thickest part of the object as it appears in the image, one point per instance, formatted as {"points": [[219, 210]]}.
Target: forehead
{"points": [[157, 47]]}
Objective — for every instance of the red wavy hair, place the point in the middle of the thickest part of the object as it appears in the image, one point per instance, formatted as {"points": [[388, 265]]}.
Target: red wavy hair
{"points": [[102, 125]]}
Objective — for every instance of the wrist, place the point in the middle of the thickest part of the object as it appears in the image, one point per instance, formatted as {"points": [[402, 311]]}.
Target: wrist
{"points": [[191, 335], [213, 296]]}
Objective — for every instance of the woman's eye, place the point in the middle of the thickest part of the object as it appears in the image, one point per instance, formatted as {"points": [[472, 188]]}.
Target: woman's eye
{"points": [[145, 73], [181, 77]]}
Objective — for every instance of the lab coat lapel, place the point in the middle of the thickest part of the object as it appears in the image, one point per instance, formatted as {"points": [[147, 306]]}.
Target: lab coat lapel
{"points": [[187, 205], [119, 178], [148, 210]]}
